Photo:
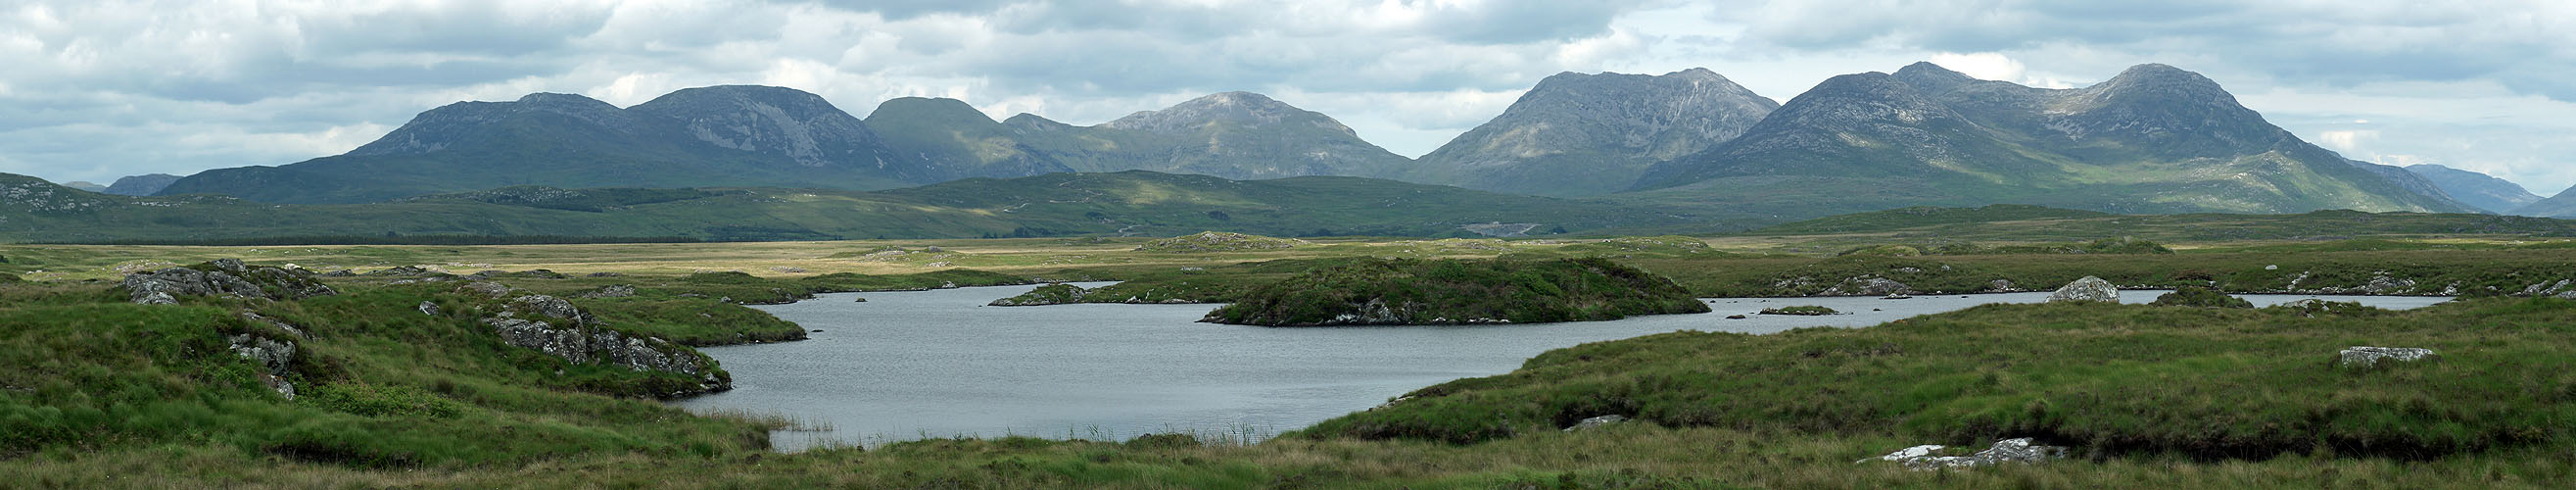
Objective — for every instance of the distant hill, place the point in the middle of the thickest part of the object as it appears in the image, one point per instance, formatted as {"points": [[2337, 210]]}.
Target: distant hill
{"points": [[85, 185], [1587, 134], [2476, 189], [1125, 203], [1235, 135], [2034, 223], [141, 185], [2154, 139], [2562, 205], [710, 136]]}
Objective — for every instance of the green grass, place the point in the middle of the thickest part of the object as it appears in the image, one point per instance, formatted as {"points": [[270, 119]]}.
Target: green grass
{"points": [[97, 393], [2113, 380], [1417, 292]]}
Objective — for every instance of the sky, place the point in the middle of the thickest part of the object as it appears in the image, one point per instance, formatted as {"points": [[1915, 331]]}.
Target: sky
{"points": [[97, 89]]}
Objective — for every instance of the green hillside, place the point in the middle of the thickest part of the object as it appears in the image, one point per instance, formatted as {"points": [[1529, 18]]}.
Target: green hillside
{"points": [[1135, 203]]}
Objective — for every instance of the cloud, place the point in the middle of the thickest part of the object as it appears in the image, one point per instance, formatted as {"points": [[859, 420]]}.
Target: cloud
{"points": [[99, 89]]}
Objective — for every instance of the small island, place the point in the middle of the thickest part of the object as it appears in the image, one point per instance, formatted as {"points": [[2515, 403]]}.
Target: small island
{"points": [[1051, 294], [1458, 292], [1800, 310]]}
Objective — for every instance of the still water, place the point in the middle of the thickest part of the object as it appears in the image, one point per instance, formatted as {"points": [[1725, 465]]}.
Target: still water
{"points": [[911, 365]]}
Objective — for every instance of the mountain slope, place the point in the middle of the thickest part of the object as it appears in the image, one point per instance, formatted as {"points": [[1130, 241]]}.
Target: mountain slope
{"points": [[1124, 203], [141, 185], [2476, 189], [1235, 135], [2562, 205], [957, 141], [1586, 134], [2154, 139], [712, 136]]}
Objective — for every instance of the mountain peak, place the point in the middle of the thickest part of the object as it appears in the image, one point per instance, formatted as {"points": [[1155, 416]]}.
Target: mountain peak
{"points": [[2161, 80], [1932, 77], [938, 108], [1585, 134], [1245, 108]]}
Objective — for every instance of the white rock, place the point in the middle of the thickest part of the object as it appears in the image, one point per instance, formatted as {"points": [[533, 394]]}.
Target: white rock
{"points": [[2365, 356]]}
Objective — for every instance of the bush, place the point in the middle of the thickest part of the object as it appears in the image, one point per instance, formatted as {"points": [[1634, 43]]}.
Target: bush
{"points": [[2201, 297]]}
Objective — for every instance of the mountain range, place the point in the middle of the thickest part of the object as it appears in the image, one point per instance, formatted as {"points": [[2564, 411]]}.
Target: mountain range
{"points": [[2155, 139], [2476, 189], [1587, 134], [1137, 203]]}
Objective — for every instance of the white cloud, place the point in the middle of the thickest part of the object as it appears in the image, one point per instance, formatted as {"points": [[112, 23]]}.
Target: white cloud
{"points": [[99, 89], [2345, 141]]}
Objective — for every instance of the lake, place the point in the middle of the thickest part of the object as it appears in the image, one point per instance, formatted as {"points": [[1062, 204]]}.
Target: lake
{"points": [[922, 364]]}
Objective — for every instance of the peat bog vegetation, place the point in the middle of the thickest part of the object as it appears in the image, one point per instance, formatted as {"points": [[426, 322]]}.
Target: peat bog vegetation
{"points": [[400, 380]]}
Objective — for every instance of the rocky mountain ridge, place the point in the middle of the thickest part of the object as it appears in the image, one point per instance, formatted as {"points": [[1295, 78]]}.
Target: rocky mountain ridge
{"points": [[1587, 134], [2154, 139]]}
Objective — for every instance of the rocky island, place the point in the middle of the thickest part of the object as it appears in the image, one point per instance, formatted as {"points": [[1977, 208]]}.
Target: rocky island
{"points": [[1455, 292]]}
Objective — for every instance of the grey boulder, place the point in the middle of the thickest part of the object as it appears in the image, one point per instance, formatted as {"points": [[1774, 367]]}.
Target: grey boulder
{"points": [[2088, 289]]}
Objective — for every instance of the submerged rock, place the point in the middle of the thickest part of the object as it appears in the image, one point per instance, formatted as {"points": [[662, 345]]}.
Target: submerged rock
{"points": [[2021, 450], [2092, 289], [2369, 357]]}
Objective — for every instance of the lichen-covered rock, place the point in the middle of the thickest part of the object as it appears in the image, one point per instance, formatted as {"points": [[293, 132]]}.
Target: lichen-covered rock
{"points": [[611, 291], [553, 307], [2088, 289], [403, 271], [280, 324], [428, 308], [2370, 357], [2022, 450], [1867, 286], [222, 277], [274, 355], [587, 344], [1596, 422], [2000, 286], [557, 328], [485, 289]]}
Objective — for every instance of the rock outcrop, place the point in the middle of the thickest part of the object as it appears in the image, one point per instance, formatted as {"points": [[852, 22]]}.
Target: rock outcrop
{"points": [[557, 328], [224, 278], [2022, 450], [2364, 357], [611, 291], [2088, 289], [1596, 423], [273, 355]]}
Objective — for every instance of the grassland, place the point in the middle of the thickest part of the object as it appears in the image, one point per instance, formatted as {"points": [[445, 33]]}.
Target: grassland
{"points": [[96, 393]]}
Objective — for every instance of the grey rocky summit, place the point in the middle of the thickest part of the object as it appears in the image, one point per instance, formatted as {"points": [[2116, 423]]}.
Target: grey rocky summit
{"points": [[1585, 134], [2169, 141], [2088, 289]]}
